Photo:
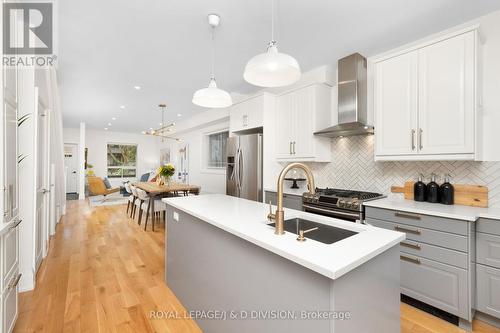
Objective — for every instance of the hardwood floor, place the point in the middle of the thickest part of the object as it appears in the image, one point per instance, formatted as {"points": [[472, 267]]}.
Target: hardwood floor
{"points": [[104, 273]]}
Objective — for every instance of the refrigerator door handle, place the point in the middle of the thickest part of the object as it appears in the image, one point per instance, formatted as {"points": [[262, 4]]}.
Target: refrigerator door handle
{"points": [[240, 170]]}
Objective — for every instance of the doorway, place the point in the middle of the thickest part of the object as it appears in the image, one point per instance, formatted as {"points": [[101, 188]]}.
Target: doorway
{"points": [[71, 167], [42, 181]]}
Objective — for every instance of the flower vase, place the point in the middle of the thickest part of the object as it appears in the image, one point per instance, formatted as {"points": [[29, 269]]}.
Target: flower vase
{"points": [[168, 181]]}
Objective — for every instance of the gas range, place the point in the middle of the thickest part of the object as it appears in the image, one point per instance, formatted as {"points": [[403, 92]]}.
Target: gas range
{"points": [[343, 204]]}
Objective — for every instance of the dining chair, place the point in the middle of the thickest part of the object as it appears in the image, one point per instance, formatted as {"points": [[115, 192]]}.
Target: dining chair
{"points": [[134, 200], [159, 211], [142, 202], [130, 197]]}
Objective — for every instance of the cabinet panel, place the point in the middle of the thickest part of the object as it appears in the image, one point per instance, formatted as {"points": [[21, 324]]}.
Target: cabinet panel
{"points": [[10, 160], [446, 96], [10, 255], [396, 105], [304, 105], [434, 237], [488, 249], [299, 114], [419, 220], [247, 114], [488, 290], [9, 308], [289, 200], [437, 284], [285, 113]]}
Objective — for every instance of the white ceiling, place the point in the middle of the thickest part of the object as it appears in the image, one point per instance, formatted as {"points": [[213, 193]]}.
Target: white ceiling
{"points": [[108, 47]]}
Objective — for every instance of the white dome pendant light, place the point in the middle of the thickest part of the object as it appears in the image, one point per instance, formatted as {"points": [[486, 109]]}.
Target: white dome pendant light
{"points": [[272, 69], [212, 97]]}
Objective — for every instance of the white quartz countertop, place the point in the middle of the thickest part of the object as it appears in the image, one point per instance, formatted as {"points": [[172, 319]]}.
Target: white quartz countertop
{"points": [[458, 212], [247, 220]]}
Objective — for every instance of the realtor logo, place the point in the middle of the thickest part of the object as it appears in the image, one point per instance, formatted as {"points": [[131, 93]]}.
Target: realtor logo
{"points": [[27, 28]]}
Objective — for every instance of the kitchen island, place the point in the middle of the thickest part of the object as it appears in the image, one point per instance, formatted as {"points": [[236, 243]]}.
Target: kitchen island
{"points": [[233, 274]]}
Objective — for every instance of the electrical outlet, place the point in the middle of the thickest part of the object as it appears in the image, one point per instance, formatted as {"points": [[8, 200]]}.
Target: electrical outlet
{"points": [[176, 216]]}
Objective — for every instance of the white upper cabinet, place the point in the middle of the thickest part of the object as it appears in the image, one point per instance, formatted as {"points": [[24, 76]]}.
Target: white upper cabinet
{"points": [[248, 114], [446, 96], [299, 114], [424, 101], [396, 105]]}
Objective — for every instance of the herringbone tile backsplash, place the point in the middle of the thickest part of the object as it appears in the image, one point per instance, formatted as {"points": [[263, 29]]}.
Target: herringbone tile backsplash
{"points": [[353, 167]]}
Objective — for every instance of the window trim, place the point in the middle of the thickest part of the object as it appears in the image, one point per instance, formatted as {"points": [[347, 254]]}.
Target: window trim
{"points": [[205, 169], [136, 167]]}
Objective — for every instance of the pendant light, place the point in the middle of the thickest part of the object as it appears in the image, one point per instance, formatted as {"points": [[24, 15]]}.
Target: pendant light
{"points": [[272, 69], [212, 97]]}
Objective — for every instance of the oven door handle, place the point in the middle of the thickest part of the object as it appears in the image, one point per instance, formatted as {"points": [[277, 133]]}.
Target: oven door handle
{"points": [[336, 212]]}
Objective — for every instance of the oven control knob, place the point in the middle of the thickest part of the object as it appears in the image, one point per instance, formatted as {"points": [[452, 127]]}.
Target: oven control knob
{"points": [[355, 205], [342, 203]]}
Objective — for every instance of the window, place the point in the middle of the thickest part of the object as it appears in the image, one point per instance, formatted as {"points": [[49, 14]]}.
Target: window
{"points": [[122, 160], [216, 157]]}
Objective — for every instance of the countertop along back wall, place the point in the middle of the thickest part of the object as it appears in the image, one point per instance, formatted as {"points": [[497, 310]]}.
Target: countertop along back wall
{"points": [[96, 142]]}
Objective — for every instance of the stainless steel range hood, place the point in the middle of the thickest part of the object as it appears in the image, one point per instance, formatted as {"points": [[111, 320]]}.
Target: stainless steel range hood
{"points": [[352, 103]]}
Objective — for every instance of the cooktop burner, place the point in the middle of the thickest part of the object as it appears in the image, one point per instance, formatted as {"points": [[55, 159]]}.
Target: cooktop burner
{"points": [[360, 195]]}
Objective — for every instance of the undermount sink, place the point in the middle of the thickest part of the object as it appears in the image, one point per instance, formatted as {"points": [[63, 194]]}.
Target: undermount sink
{"points": [[325, 233]]}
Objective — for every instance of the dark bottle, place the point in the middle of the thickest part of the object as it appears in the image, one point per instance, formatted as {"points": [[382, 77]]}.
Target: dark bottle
{"points": [[433, 190], [447, 191], [419, 190]]}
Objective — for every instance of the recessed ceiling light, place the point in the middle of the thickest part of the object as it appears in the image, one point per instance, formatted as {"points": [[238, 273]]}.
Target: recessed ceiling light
{"points": [[109, 124], [161, 124], [151, 128], [105, 128], [143, 132], [179, 115], [137, 87], [114, 118], [122, 107]]}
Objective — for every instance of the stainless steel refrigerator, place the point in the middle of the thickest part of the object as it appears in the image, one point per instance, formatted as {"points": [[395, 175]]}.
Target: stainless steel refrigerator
{"points": [[244, 167]]}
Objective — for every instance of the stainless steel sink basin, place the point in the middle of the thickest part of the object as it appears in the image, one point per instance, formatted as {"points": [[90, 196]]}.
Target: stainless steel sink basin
{"points": [[325, 233]]}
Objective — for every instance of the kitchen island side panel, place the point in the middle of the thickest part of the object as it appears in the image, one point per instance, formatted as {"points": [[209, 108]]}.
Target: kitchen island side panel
{"points": [[210, 269]]}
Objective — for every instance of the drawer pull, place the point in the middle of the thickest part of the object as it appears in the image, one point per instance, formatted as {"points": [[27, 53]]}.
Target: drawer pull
{"points": [[408, 215], [16, 224], [411, 231], [412, 260], [14, 284], [411, 246]]}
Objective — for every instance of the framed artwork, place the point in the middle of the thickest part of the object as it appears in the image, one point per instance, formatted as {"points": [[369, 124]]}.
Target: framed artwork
{"points": [[183, 163], [165, 156]]}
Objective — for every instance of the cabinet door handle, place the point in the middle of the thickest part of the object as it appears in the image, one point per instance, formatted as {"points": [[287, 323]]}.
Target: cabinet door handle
{"points": [[408, 215], [411, 246], [16, 224], [409, 259], [410, 231], [15, 282], [413, 140], [291, 148], [294, 147], [421, 145]]}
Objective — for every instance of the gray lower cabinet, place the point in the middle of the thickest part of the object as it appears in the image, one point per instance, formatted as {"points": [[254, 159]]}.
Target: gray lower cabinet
{"points": [[488, 290], [434, 283], [488, 249], [435, 259], [291, 201], [488, 267]]}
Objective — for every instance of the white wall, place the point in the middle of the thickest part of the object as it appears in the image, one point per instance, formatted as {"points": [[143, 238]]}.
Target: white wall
{"points": [[192, 131], [96, 141]]}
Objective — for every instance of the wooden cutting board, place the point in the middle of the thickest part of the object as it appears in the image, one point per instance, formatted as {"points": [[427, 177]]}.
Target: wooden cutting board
{"points": [[466, 195]]}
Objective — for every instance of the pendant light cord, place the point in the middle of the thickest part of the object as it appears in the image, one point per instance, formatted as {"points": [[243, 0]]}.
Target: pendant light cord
{"points": [[272, 21], [212, 74]]}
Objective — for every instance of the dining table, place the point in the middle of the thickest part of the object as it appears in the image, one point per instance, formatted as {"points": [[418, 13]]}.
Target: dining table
{"points": [[159, 191]]}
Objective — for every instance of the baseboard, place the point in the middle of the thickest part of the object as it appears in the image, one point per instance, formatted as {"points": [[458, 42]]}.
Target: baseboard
{"points": [[27, 282], [487, 319]]}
